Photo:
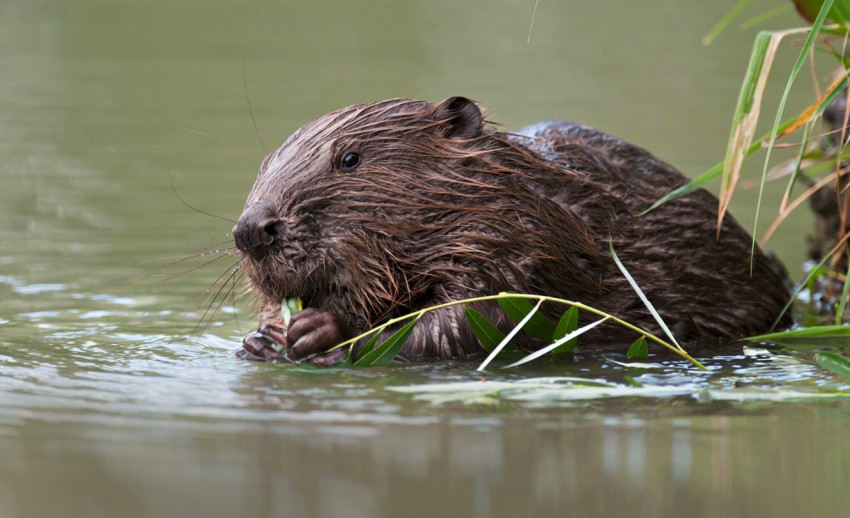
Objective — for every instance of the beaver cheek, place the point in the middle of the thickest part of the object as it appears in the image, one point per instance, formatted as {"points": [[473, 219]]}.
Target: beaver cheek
{"points": [[314, 331]]}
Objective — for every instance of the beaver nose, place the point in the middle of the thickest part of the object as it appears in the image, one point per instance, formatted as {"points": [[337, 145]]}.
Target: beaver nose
{"points": [[256, 229]]}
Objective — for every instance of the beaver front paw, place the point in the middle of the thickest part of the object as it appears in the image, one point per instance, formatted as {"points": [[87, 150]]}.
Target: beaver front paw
{"points": [[313, 331], [268, 343]]}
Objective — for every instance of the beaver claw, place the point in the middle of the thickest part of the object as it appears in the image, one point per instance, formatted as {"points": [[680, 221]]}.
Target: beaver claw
{"points": [[311, 332], [268, 343]]}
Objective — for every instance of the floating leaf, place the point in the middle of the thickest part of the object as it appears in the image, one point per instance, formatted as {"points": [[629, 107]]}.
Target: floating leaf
{"points": [[538, 326], [834, 363], [803, 335], [637, 365], [752, 394], [547, 390], [638, 350], [487, 334], [388, 350], [567, 324]]}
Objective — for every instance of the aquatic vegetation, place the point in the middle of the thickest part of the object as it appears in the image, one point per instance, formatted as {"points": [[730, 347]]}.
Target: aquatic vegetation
{"points": [[828, 34]]}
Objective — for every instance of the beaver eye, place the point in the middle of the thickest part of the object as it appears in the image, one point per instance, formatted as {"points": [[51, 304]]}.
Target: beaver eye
{"points": [[349, 161]]}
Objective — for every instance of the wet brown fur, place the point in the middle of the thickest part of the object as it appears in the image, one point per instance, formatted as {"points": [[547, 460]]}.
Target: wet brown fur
{"points": [[444, 207]]}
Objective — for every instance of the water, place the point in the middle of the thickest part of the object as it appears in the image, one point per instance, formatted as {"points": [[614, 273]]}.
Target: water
{"points": [[113, 404]]}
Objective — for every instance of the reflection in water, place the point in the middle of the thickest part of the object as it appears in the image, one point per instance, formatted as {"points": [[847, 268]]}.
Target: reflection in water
{"points": [[507, 466]]}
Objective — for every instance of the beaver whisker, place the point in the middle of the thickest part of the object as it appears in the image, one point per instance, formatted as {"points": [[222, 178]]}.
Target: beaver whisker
{"points": [[212, 261], [211, 249], [213, 302]]}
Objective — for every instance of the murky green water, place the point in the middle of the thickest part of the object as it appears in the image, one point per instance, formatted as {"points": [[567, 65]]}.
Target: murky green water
{"points": [[109, 406]]}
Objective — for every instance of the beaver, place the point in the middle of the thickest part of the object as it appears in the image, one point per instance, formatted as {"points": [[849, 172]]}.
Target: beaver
{"points": [[381, 209]]}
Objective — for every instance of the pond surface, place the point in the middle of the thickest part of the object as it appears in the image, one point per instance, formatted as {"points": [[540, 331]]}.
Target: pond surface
{"points": [[114, 401]]}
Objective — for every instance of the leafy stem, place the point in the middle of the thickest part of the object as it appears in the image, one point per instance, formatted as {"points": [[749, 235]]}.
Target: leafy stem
{"points": [[539, 298]]}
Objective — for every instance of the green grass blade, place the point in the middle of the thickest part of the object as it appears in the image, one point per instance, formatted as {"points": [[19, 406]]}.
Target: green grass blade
{"points": [[538, 326], [763, 17], [813, 272], [638, 350], [725, 22], [834, 363], [746, 115], [795, 174], [388, 350], [798, 65], [510, 335], [797, 335], [567, 324], [642, 297], [842, 304], [708, 176], [697, 183], [487, 334], [558, 343], [717, 169]]}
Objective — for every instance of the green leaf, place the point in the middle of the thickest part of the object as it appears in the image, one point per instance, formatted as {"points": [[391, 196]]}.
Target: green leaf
{"points": [[537, 326], [834, 363], [845, 291], [289, 307], [370, 344], [695, 184], [801, 335], [388, 350], [638, 350], [567, 324], [487, 334]]}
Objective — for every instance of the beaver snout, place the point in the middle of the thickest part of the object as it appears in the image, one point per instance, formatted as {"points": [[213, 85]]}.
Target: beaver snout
{"points": [[257, 229]]}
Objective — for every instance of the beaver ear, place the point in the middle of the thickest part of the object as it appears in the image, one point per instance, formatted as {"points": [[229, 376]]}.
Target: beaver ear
{"points": [[463, 119]]}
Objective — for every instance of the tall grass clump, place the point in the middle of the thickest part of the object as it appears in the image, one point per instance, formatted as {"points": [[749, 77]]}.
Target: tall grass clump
{"points": [[818, 166]]}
